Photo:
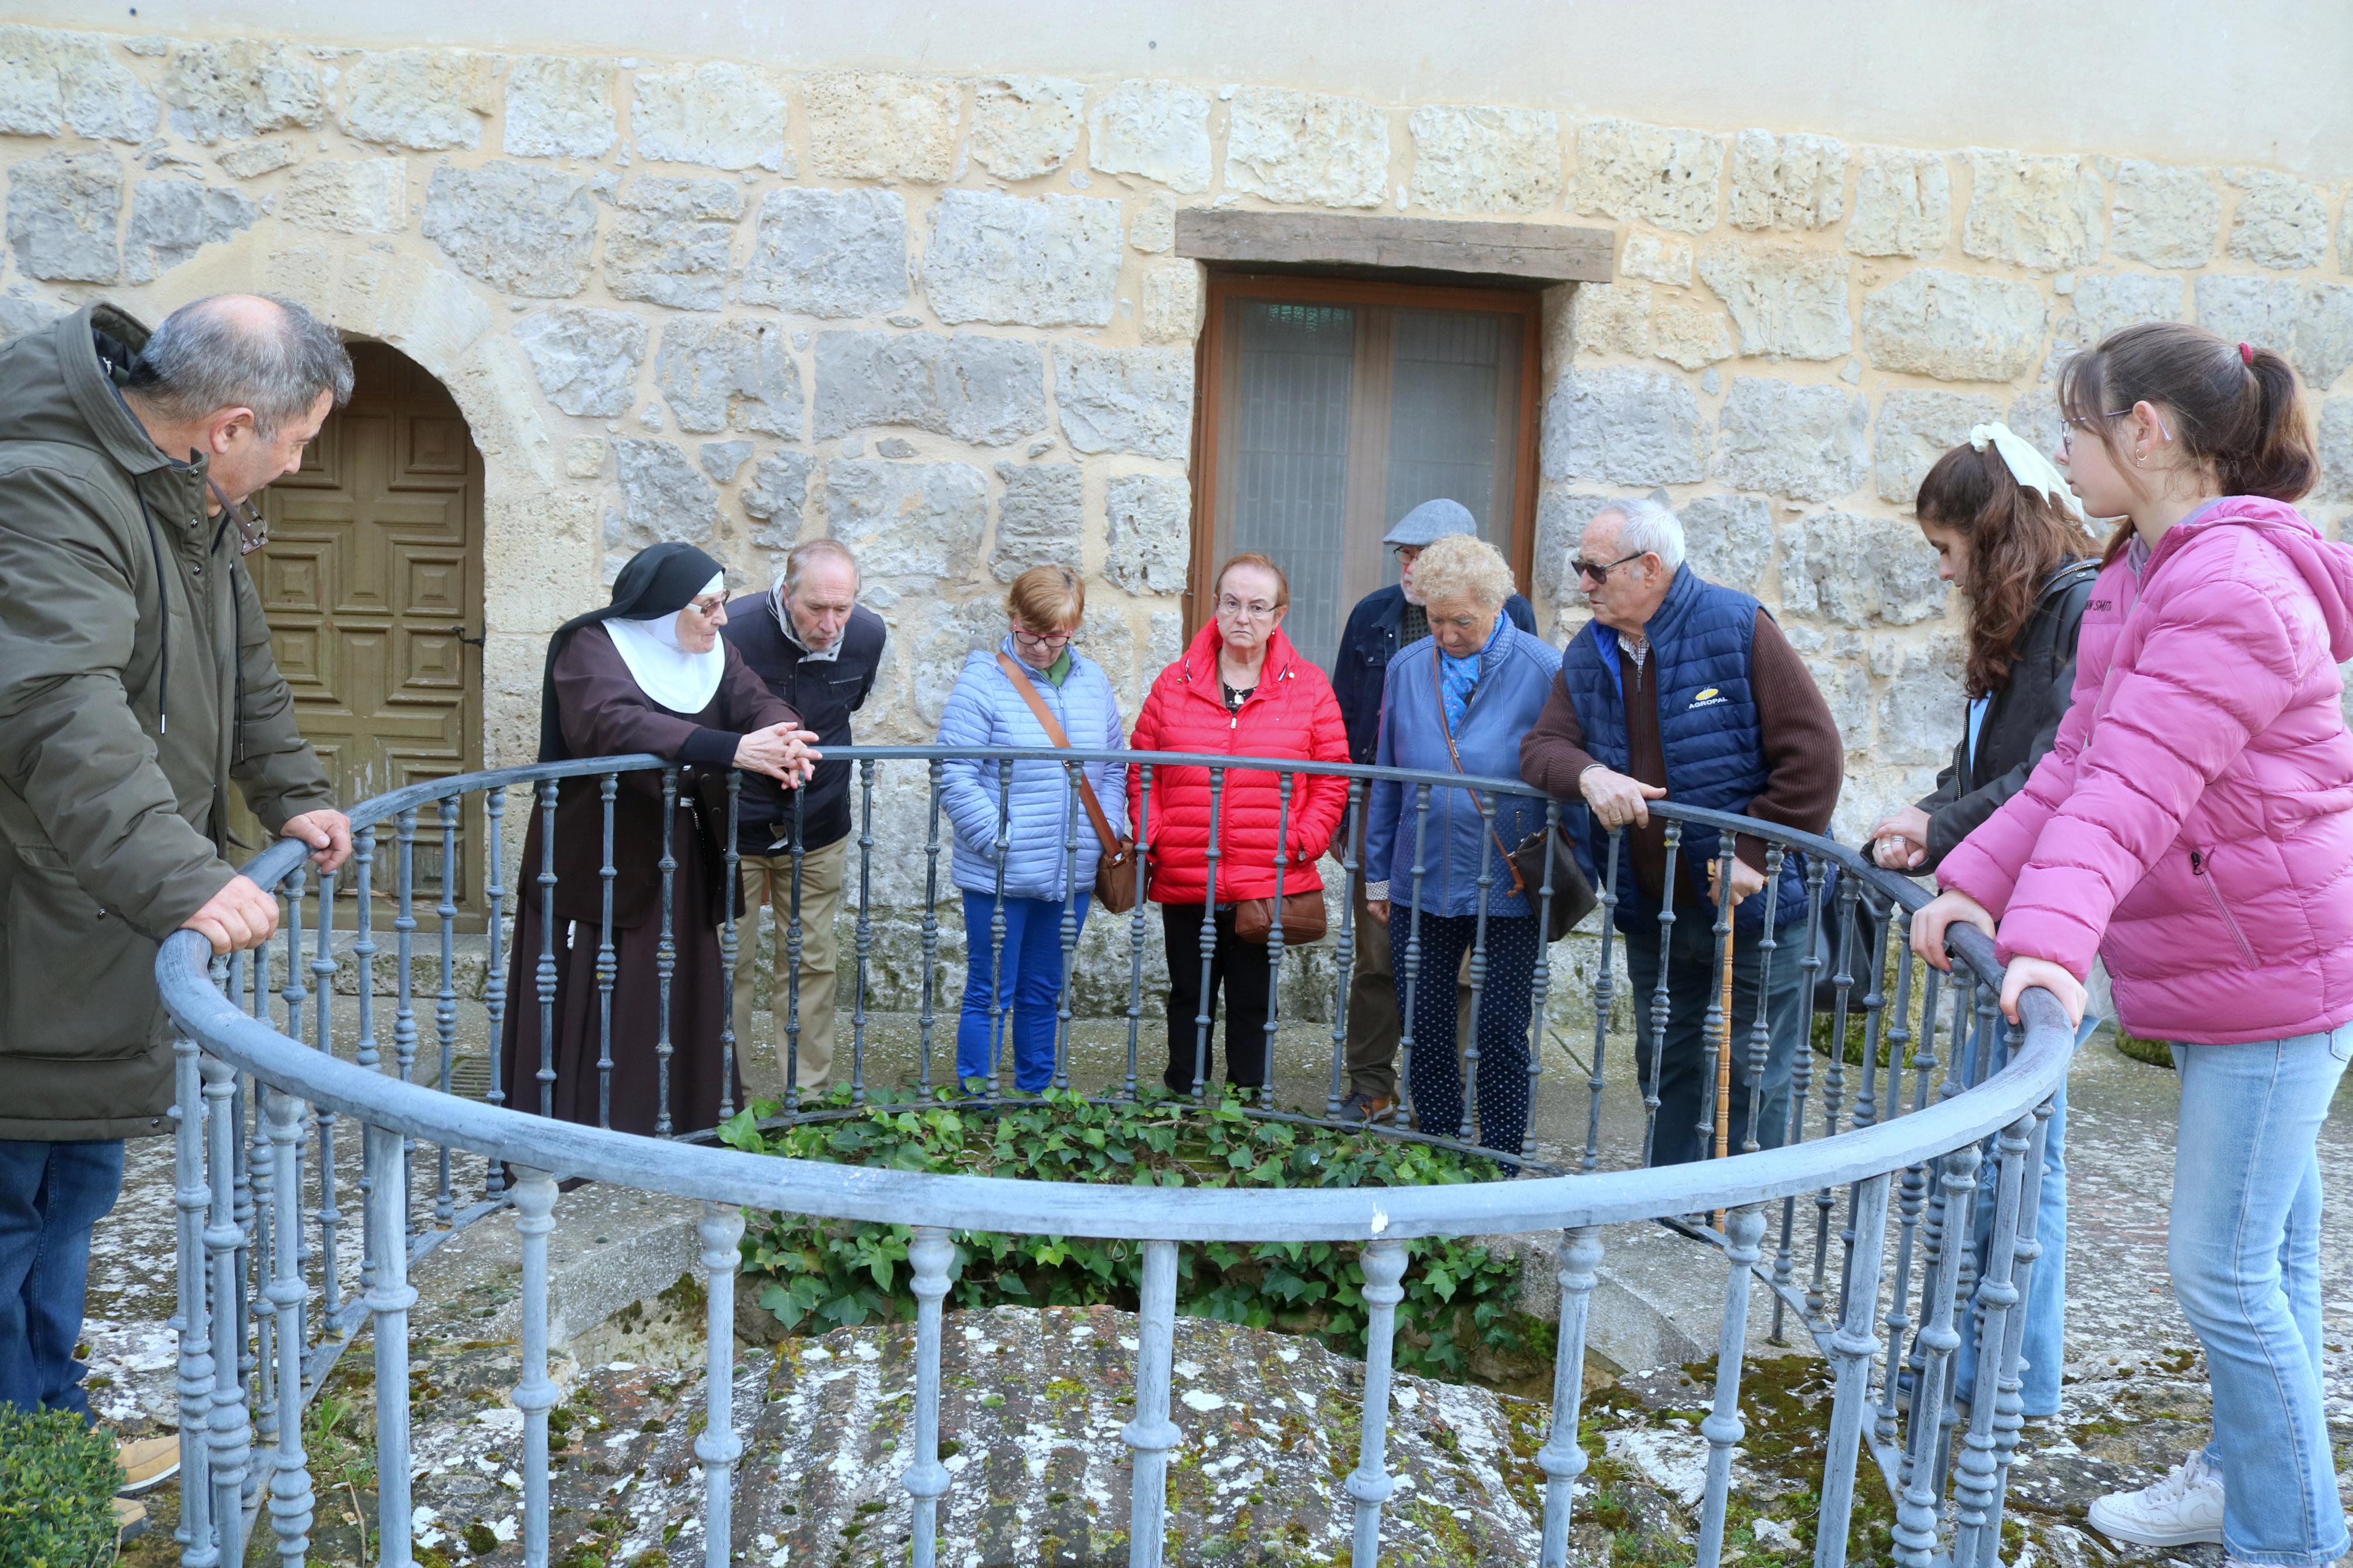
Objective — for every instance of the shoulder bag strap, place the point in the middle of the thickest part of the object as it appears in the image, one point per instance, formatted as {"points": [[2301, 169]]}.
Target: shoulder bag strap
{"points": [[1046, 720], [1438, 685]]}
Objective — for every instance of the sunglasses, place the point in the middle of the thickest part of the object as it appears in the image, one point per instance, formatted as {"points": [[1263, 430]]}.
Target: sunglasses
{"points": [[1597, 574]]}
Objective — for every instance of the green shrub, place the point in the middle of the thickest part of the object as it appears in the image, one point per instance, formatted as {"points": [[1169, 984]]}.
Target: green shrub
{"points": [[826, 1274], [58, 1480]]}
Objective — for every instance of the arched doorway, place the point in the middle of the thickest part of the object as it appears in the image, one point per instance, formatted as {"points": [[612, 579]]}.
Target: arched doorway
{"points": [[372, 581]]}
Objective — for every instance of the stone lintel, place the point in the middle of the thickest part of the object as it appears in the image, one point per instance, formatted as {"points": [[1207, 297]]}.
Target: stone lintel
{"points": [[1556, 253]]}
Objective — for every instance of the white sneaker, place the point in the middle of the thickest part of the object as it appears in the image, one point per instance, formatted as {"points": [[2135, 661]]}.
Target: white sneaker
{"points": [[2185, 1506]]}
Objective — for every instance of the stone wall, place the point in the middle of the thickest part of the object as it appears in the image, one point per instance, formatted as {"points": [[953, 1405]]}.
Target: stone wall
{"points": [[940, 317]]}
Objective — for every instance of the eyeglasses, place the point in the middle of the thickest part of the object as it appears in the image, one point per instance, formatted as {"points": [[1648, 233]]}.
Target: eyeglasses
{"points": [[1408, 554], [708, 606], [1600, 574], [1027, 638], [1245, 609], [2067, 430]]}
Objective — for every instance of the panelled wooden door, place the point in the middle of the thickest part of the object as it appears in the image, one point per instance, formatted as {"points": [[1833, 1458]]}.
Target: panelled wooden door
{"points": [[373, 584]]}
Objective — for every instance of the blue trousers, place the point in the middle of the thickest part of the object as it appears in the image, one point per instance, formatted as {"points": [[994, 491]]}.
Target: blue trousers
{"points": [[1027, 973], [51, 1195]]}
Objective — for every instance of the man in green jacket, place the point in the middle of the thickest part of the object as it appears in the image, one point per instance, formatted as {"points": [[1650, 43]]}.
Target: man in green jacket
{"points": [[136, 684]]}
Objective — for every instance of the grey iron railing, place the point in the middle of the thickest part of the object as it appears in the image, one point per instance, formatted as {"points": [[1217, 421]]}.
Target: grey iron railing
{"points": [[266, 1302]]}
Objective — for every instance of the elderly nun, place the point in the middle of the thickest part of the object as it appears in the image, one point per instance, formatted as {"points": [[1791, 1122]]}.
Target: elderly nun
{"points": [[649, 672]]}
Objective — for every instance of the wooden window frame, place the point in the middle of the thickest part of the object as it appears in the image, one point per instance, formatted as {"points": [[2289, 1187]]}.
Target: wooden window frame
{"points": [[1225, 286]]}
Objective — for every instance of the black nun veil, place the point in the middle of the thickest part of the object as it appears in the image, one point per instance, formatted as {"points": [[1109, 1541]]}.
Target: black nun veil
{"points": [[660, 580]]}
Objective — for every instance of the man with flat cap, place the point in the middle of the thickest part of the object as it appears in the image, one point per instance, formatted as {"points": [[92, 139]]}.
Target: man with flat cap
{"points": [[1384, 623]]}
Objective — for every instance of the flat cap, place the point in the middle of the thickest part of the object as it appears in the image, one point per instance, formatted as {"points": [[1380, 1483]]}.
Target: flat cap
{"points": [[1430, 521]]}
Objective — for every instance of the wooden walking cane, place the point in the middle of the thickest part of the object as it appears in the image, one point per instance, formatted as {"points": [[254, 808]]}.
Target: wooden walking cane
{"points": [[1723, 1054]]}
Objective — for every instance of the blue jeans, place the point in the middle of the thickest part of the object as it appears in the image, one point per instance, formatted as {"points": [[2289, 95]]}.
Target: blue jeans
{"points": [[51, 1195], [2245, 1251], [1029, 974]]}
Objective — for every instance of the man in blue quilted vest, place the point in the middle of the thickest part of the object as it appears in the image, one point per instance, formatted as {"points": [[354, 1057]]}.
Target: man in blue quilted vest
{"points": [[1686, 690]]}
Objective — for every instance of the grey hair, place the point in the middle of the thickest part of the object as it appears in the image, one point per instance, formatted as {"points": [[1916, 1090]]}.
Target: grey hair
{"points": [[222, 352], [796, 560], [1651, 529]]}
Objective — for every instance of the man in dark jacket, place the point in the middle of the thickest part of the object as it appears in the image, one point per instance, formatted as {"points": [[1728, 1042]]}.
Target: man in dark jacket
{"points": [[136, 685], [1686, 690], [1384, 622], [817, 648]]}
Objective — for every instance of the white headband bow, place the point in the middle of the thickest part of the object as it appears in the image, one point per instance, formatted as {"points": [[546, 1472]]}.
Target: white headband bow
{"points": [[2029, 467]]}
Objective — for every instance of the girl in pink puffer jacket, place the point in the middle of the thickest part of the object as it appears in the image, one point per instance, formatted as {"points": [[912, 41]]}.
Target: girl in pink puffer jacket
{"points": [[2191, 827]]}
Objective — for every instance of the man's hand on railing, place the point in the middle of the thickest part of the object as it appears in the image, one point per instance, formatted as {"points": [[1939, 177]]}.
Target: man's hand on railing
{"points": [[240, 916], [2024, 974], [1616, 799], [784, 751], [1930, 921], [1900, 843], [328, 832], [1746, 880]]}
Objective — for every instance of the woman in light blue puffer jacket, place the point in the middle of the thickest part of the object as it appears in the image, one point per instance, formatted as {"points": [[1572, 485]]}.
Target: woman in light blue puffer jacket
{"points": [[1043, 814]]}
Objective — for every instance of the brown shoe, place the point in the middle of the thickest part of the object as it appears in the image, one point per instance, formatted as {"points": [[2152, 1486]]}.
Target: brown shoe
{"points": [[147, 1463], [1367, 1108], [130, 1521]]}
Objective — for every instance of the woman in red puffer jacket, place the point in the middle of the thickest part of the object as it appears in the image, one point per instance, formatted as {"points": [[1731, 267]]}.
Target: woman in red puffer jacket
{"points": [[1242, 690]]}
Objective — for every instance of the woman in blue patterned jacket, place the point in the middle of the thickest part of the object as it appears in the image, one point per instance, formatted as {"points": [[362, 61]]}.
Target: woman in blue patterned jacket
{"points": [[1040, 816]]}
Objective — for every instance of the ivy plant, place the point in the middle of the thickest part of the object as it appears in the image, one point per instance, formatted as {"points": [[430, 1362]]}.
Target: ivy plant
{"points": [[57, 1478]]}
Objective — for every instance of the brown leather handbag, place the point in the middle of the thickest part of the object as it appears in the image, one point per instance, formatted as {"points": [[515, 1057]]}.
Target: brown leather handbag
{"points": [[1303, 920], [1119, 874]]}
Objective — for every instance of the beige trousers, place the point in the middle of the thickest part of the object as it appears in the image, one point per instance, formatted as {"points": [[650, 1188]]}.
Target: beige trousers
{"points": [[768, 880]]}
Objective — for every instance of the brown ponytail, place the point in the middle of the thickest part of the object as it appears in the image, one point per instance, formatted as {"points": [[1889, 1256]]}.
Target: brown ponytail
{"points": [[2018, 538], [2233, 406]]}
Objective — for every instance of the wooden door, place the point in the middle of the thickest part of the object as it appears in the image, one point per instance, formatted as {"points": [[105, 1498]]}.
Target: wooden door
{"points": [[373, 584]]}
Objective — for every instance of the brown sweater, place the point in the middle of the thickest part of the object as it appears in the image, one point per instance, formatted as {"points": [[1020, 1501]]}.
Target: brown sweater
{"points": [[1804, 758]]}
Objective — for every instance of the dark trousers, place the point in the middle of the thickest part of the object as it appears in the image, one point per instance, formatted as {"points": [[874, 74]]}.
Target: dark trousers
{"points": [[1504, 998], [1685, 1084], [51, 1195], [1375, 1024], [1239, 968]]}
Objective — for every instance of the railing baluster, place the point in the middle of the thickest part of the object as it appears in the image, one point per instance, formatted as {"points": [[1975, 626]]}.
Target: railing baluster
{"points": [[1715, 1023], [2009, 1402], [1370, 1482], [1540, 985], [534, 1394], [608, 970], [666, 953], [389, 1298], [1407, 964], [190, 1194], [1151, 1435], [260, 1161], [1801, 1081], [1000, 1005], [1486, 885], [1605, 986], [1207, 939], [1661, 1003], [865, 931], [290, 1496], [1561, 1458], [1273, 946], [546, 972], [1760, 1029], [1911, 1196], [494, 977], [1074, 774], [445, 1001], [363, 963], [1135, 925], [717, 1445], [1996, 1299], [926, 1479], [1916, 1509], [1744, 1232], [1833, 1090], [231, 1435], [931, 929], [1852, 1349], [732, 882], [1352, 844]]}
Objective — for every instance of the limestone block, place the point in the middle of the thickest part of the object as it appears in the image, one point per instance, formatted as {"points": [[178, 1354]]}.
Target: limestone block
{"points": [[663, 497], [1914, 429], [867, 125], [1025, 126], [2163, 216], [1805, 442], [988, 391], [559, 107], [1307, 148], [1109, 639], [723, 460], [362, 195], [1852, 570], [1729, 540], [1788, 301], [1477, 159], [248, 159], [1032, 261], [1610, 318], [584, 458], [526, 230], [1171, 303], [1656, 259], [1689, 334], [52, 82], [587, 360], [424, 99], [2280, 223], [1150, 525], [1159, 130], [1920, 712], [2104, 303], [1154, 229], [1955, 326], [1561, 518], [1787, 182], [669, 244], [63, 211], [718, 114], [776, 493], [2035, 416], [1839, 667], [908, 520], [2312, 324], [2037, 210], [1902, 203], [540, 547], [1623, 426], [1040, 519], [2336, 450], [229, 91], [938, 636], [171, 220], [828, 253], [1655, 174], [1124, 400], [734, 373]]}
